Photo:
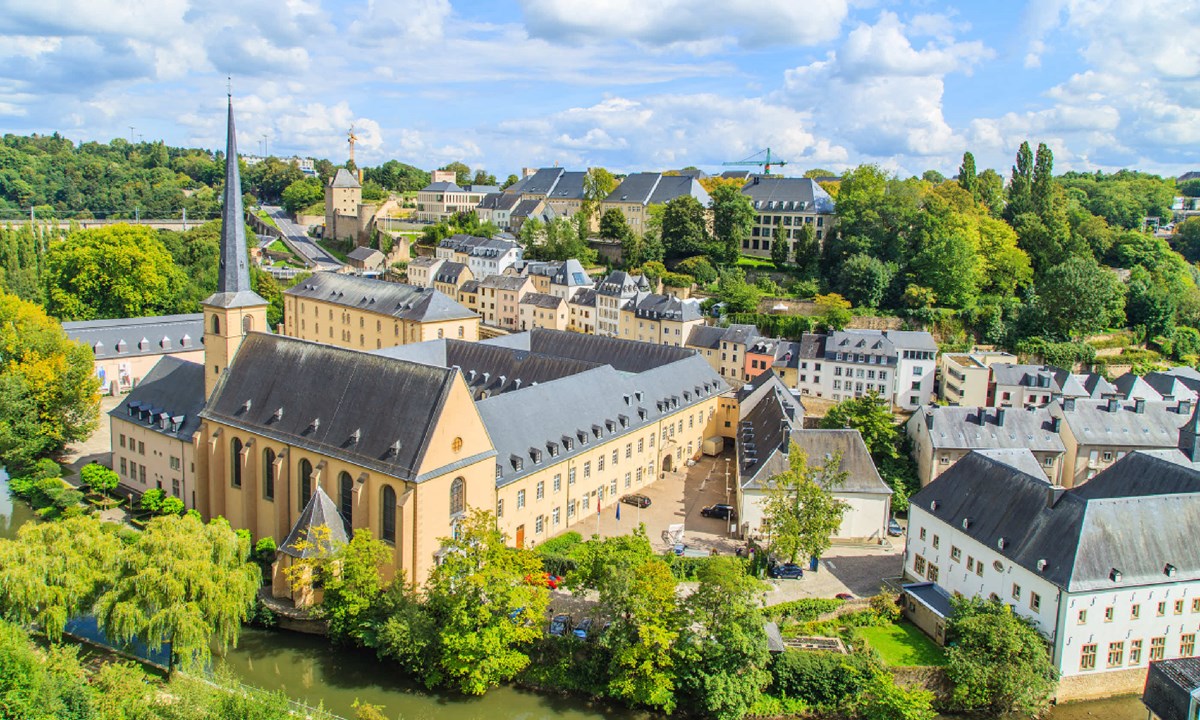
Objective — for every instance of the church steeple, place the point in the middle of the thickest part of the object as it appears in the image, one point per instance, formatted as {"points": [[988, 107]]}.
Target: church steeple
{"points": [[234, 309]]}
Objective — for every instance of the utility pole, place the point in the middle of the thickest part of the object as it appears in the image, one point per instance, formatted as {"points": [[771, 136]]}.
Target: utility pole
{"points": [[130, 134]]}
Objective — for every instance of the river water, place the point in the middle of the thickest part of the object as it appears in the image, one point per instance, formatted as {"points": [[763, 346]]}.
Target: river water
{"points": [[308, 669]]}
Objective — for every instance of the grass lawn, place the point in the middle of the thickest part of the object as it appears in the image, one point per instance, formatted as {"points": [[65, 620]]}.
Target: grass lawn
{"points": [[755, 262], [332, 250], [903, 645], [279, 247], [262, 214]]}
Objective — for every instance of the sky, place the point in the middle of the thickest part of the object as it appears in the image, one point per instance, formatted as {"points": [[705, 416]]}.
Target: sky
{"points": [[624, 84]]}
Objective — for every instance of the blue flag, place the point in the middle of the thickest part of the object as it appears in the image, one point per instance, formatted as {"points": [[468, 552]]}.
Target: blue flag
{"points": [[618, 512]]}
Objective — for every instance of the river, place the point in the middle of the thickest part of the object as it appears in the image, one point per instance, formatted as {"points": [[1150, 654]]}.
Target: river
{"points": [[307, 668]]}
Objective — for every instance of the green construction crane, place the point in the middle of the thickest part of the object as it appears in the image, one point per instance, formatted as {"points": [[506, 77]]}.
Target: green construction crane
{"points": [[764, 162]]}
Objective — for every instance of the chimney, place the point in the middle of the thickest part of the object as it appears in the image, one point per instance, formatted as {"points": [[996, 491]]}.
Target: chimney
{"points": [[1139, 406], [928, 420], [1185, 407], [785, 441], [1055, 424], [1114, 404], [981, 418], [1053, 493], [1068, 404], [1000, 417]]}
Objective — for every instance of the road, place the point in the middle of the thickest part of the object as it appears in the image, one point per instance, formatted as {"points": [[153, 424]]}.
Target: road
{"points": [[299, 238]]}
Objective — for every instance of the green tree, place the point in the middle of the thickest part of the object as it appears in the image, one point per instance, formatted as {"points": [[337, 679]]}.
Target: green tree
{"points": [[483, 177], [99, 479], [613, 225], [722, 651], [780, 249], [735, 292], [462, 173], [485, 611], [865, 280], [268, 179], [685, 228], [800, 514], [989, 189], [1150, 303], [933, 177], [871, 417], [1187, 239], [352, 585], [698, 267], [48, 389], [998, 662], [181, 582], [883, 699], [1020, 186], [598, 183], [966, 174], [834, 309], [733, 218], [117, 271], [644, 630], [509, 182], [1078, 297], [303, 193], [1041, 192]]}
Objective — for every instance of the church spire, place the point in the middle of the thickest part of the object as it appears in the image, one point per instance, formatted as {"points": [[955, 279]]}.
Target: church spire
{"points": [[233, 279]]}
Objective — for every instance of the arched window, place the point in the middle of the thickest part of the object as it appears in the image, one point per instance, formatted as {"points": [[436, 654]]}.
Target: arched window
{"points": [[458, 502], [235, 460], [305, 482], [247, 324], [216, 325], [387, 511], [346, 498], [269, 474]]}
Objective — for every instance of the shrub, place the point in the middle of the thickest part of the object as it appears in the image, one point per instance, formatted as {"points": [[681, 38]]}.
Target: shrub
{"points": [[686, 568], [560, 545], [677, 280], [46, 468], [171, 505], [152, 500], [803, 610], [98, 478], [264, 550], [698, 267], [886, 607], [819, 678]]}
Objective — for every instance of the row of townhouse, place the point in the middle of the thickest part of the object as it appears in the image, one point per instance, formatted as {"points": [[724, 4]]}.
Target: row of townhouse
{"points": [[1072, 439], [1108, 571]]}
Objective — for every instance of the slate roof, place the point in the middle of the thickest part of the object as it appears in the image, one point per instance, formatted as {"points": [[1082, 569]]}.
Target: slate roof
{"points": [[442, 187], [812, 345], [885, 343], [1034, 376], [499, 201], [1132, 387], [478, 246], [174, 388], [1097, 386], [373, 411], [1021, 459], [320, 511], [570, 273], [365, 254], [1093, 424], [406, 302], [542, 181], [787, 195], [787, 354], [670, 187], [585, 296], [666, 307], [542, 300], [707, 337], [621, 284], [1169, 687], [344, 179], [932, 596], [233, 272], [449, 272], [504, 282], [635, 188], [163, 335], [958, 428], [570, 186], [1170, 386], [1107, 533], [425, 261]]}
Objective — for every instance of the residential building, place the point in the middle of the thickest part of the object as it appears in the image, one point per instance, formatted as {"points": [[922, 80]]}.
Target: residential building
{"points": [[561, 190], [943, 435], [611, 295], [421, 270], [789, 203], [485, 256], [539, 310], [154, 428], [1094, 568], [1015, 385], [526, 210], [898, 365], [366, 260], [583, 311], [1098, 433], [368, 314], [1172, 690], [724, 348], [639, 191], [770, 420], [568, 278], [468, 296], [786, 363], [966, 377], [125, 350], [760, 357], [443, 198], [660, 319], [497, 208], [500, 300], [450, 277]]}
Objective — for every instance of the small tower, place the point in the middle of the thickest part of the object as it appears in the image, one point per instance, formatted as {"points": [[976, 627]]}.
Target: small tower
{"points": [[234, 309]]}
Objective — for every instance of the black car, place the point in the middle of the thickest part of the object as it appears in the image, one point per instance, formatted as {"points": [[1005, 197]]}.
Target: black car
{"points": [[721, 512], [787, 571], [560, 625], [894, 528], [636, 500]]}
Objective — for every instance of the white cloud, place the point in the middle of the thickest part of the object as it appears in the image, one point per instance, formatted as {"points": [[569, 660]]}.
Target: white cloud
{"points": [[696, 26]]}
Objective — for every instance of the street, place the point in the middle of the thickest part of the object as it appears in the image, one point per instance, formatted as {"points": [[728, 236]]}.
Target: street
{"points": [[299, 239]]}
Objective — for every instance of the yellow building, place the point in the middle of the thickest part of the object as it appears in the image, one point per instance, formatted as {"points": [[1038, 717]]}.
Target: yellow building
{"points": [[500, 300], [583, 311], [369, 314], [539, 310], [662, 319], [450, 277], [637, 192]]}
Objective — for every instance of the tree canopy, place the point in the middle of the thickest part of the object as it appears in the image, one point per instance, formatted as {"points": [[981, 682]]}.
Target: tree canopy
{"points": [[800, 514]]}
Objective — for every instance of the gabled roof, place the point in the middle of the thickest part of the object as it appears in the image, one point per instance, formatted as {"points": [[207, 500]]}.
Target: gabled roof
{"points": [[499, 201], [123, 337], [674, 186], [570, 273], [666, 307], [365, 254], [1170, 386], [959, 428], [542, 300], [787, 195], [1107, 533], [621, 284], [319, 512], [1133, 387], [504, 282], [812, 345], [344, 179], [1092, 423], [173, 391], [406, 302], [635, 188], [542, 181], [371, 411], [450, 272], [584, 296], [442, 187]]}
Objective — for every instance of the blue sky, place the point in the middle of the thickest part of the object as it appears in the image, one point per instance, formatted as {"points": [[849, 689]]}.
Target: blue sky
{"points": [[625, 84]]}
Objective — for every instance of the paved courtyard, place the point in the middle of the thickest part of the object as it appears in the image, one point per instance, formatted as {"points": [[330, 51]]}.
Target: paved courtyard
{"points": [[97, 448]]}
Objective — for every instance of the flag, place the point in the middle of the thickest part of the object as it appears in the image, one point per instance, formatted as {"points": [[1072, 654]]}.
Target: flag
{"points": [[618, 512]]}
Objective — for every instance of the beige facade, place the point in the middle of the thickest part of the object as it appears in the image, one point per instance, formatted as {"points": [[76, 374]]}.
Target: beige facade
{"points": [[125, 350], [965, 377], [941, 436], [500, 300], [1098, 433], [661, 331], [539, 310], [346, 216], [583, 312], [422, 270], [145, 459]]}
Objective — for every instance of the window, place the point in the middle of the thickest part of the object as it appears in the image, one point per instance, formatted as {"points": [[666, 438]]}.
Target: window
{"points": [[1087, 657], [268, 474], [571, 476], [520, 499], [937, 542], [306, 469], [1035, 602], [919, 565], [458, 496], [616, 452], [922, 533], [123, 466], [1135, 612], [970, 564], [539, 525], [1108, 614], [541, 489], [599, 465], [612, 487], [235, 460], [1187, 645], [1178, 607], [979, 568], [141, 448], [247, 324], [932, 575], [641, 445], [944, 460], [955, 554], [1162, 608], [142, 474], [1016, 592], [122, 439], [216, 325], [1158, 647], [587, 470], [556, 516], [387, 515], [1116, 653], [176, 463], [1196, 605], [1135, 652], [346, 498], [1082, 619], [500, 508], [628, 450]]}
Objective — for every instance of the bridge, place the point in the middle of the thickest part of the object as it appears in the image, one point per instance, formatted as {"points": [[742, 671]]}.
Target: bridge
{"points": [[92, 223]]}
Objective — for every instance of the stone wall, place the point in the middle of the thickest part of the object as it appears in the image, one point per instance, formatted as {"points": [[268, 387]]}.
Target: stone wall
{"points": [[1101, 685]]}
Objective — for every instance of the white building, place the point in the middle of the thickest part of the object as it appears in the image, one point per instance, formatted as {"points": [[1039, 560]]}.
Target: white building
{"points": [[899, 365], [1108, 571], [484, 256]]}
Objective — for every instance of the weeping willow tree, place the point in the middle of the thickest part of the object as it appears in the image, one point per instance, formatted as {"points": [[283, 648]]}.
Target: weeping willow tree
{"points": [[182, 582]]}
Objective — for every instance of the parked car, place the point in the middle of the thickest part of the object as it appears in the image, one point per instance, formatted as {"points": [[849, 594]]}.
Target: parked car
{"points": [[844, 596], [894, 528], [786, 571], [636, 500], [721, 512], [583, 629], [560, 625], [545, 579]]}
